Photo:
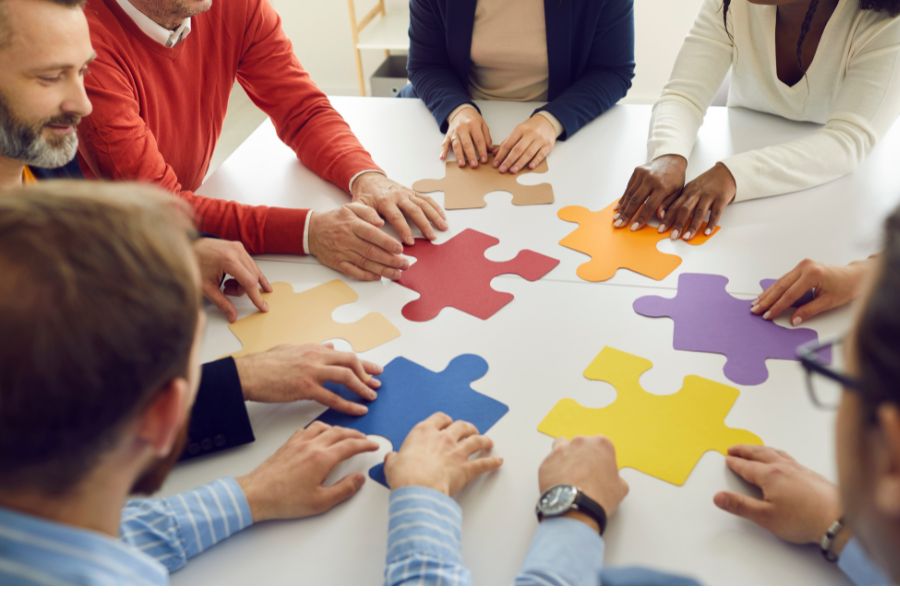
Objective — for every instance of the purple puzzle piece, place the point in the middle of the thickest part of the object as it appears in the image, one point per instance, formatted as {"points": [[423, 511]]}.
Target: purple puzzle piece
{"points": [[709, 319]]}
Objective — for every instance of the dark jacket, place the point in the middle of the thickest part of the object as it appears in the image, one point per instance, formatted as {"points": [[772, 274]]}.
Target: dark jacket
{"points": [[590, 47]]}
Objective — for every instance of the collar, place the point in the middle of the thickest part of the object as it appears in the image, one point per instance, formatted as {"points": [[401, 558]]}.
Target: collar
{"points": [[28, 176], [154, 30]]}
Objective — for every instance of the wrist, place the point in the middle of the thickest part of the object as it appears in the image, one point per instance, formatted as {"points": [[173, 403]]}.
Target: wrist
{"points": [[363, 180], [403, 483], [672, 160], [258, 509], [246, 376]]}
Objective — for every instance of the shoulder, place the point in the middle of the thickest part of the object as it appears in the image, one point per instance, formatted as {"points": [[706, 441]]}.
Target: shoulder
{"points": [[869, 27]]}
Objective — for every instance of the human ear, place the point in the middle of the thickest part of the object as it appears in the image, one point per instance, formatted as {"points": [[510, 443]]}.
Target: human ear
{"points": [[164, 417]]}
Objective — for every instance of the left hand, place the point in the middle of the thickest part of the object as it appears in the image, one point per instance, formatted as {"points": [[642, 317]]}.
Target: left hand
{"points": [[798, 505], [218, 258], [397, 204], [707, 195], [529, 144]]}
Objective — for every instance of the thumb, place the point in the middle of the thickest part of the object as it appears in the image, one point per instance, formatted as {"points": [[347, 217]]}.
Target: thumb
{"points": [[742, 506], [214, 294], [343, 490]]}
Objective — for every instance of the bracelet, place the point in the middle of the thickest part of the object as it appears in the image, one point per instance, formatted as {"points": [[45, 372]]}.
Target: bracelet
{"points": [[827, 543]]}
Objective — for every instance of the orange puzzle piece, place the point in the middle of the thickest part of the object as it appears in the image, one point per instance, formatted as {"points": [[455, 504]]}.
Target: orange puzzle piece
{"points": [[612, 249], [467, 187]]}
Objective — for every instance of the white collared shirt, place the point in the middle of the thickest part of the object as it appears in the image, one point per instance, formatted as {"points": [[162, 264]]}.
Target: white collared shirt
{"points": [[156, 32]]}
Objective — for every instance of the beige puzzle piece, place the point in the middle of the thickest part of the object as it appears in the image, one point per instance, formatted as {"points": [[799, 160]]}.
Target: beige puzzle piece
{"points": [[306, 318], [662, 436], [467, 187]]}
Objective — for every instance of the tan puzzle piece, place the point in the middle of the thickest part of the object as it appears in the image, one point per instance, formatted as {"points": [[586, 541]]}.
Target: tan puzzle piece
{"points": [[467, 187], [662, 436], [305, 318]]}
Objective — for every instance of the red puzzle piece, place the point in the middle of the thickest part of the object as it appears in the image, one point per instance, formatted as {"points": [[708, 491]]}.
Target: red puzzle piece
{"points": [[457, 274]]}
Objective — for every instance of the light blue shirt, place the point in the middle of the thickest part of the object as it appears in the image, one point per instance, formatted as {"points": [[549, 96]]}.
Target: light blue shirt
{"points": [[157, 538], [424, 541]]}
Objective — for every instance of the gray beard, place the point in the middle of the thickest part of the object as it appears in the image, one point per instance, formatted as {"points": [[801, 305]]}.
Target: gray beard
{"points": [[20, 142]]}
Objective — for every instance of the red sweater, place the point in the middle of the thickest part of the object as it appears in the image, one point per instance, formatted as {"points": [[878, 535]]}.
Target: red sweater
{"points": [[158, 112]]}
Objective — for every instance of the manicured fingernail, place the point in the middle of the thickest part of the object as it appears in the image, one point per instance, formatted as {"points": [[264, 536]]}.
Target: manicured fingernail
{"points": [[661, 229], [768, 315], [709, 231], [662, 214], [619, 223], [265, 305], [688, 235], [796, 321], [635, 226], [675, 234], [374, 382], [616, 216]]}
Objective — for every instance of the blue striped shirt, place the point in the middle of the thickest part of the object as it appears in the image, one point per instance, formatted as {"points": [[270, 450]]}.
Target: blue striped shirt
{"points": [[157, 537], [424, 542]]}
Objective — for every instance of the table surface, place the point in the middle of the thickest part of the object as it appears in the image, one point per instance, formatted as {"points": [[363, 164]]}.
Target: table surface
{"points": [[538, 346]]}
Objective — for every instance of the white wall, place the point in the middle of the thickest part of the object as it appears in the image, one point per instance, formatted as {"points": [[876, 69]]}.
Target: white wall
{"points": [[320, 31]]}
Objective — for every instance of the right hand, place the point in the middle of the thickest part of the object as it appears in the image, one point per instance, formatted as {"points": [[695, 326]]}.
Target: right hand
{"points": [[349, 241], [834, 287], [650, 189], [288, 373], [218, 259], [290, 484], [469, 137], [438, 454], [588, 463]]}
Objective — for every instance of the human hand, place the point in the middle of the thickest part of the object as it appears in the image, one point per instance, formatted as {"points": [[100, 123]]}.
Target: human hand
{"points": [[221, 258], [438, 454], [798, 505], [290, 484], [349, 241], [588, 463], [469, 136], [702, 201], [398, 204], [650, 187], [529, 144], [832, 287], [288, 373]]}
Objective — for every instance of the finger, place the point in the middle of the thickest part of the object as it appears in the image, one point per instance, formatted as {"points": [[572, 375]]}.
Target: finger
{"points": [[796, 291], [351, 270], [527, 156], [460, 430], [432, 212], [715, 215], [505, 148], [343, 490], [469, 149], [678, 214], [215, 295], [458, 152], [514, 154], [370, 216], [312, 430], [633, 183], [750, 471], [349, 448], [647, 209], [338, 434], [326, 397], [698, 218], [821, 304], [353, 362], [445, 147], [348, 378], [432, 203], [540, 157], [373, 369], [633, 203], [765, 300], [762, 454], [395, 217], [386, 249], [438, 421], [415, 213], [743, 506], [486, 132], [481, 145], [375, 267], [480, 466], [250, 282], [476, 443]]}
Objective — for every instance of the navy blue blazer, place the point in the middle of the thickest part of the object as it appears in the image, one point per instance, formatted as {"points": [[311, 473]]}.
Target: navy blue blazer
{"points": [[590, 47]]}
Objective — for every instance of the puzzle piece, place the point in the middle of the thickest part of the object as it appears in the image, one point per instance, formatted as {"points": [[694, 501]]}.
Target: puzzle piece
{"points": [[305, 318], [709, 319], [662, 436], [467, 187], [410, 393], [457, 274], [612, 249]]}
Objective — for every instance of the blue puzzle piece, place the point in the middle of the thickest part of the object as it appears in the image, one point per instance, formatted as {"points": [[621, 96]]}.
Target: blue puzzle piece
{"points": [[410, 393]]}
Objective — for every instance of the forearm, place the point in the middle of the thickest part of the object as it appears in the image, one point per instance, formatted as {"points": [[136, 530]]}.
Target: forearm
{"points": [[563, 552], [175, 529], [424, 539], [590, 97]]}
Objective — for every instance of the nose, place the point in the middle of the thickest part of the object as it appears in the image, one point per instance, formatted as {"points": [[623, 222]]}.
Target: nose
{"points": [[77, 101]]}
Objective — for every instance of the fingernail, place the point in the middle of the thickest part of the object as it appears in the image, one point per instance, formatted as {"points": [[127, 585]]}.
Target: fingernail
{"points": [[635, 226], [374, 382], [688, 235], [796, 321], [619, 223], [661, 229], [617, 216], [265, 305], [675, 234], [662, 214], [768, 315], [363, 410], [709, 231]]}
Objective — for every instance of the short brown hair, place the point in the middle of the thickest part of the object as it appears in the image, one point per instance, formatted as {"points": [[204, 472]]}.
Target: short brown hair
{"points": [[6, 33], [98, 310]]}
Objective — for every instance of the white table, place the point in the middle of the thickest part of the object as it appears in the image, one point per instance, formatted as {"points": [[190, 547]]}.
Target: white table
{"points": [[539, 345]]}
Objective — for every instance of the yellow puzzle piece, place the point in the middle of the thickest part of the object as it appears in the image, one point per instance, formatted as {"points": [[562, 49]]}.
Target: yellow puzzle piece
{"points": [[612, 249], [305, 318], [662, 436]]}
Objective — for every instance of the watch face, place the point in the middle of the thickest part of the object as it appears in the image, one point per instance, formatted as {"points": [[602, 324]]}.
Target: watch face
{"points": [[557, 500]]}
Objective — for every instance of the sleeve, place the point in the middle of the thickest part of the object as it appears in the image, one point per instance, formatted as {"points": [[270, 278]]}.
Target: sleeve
{"points": [[424, 539], [175, 529], [305, 120], [116, 143], [430, 70], [859, 568], [865, 108], [701, 66], [219, 418], [609, 73], [563, 552]]}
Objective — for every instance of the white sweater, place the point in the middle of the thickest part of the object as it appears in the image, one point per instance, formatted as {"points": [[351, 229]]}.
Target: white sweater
{"points": [[852, 88]]}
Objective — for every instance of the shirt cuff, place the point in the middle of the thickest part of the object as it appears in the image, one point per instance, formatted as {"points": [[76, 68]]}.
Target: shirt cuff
{"points": [[458, 109], [360, 174], [563, 552], [210, 514], [859, 567], [423, 521], [557, 126], [309, 217]]}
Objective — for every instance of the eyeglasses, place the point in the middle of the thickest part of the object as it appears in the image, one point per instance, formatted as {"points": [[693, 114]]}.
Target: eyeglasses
{"points": [[826, 383]]}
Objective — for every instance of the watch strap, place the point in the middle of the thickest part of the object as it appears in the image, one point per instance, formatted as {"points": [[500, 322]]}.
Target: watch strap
{"points": [[827, 543], [586, 505]]}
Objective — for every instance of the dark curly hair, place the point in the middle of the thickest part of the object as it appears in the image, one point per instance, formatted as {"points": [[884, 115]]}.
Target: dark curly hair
{"points": [[891, 7]]}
